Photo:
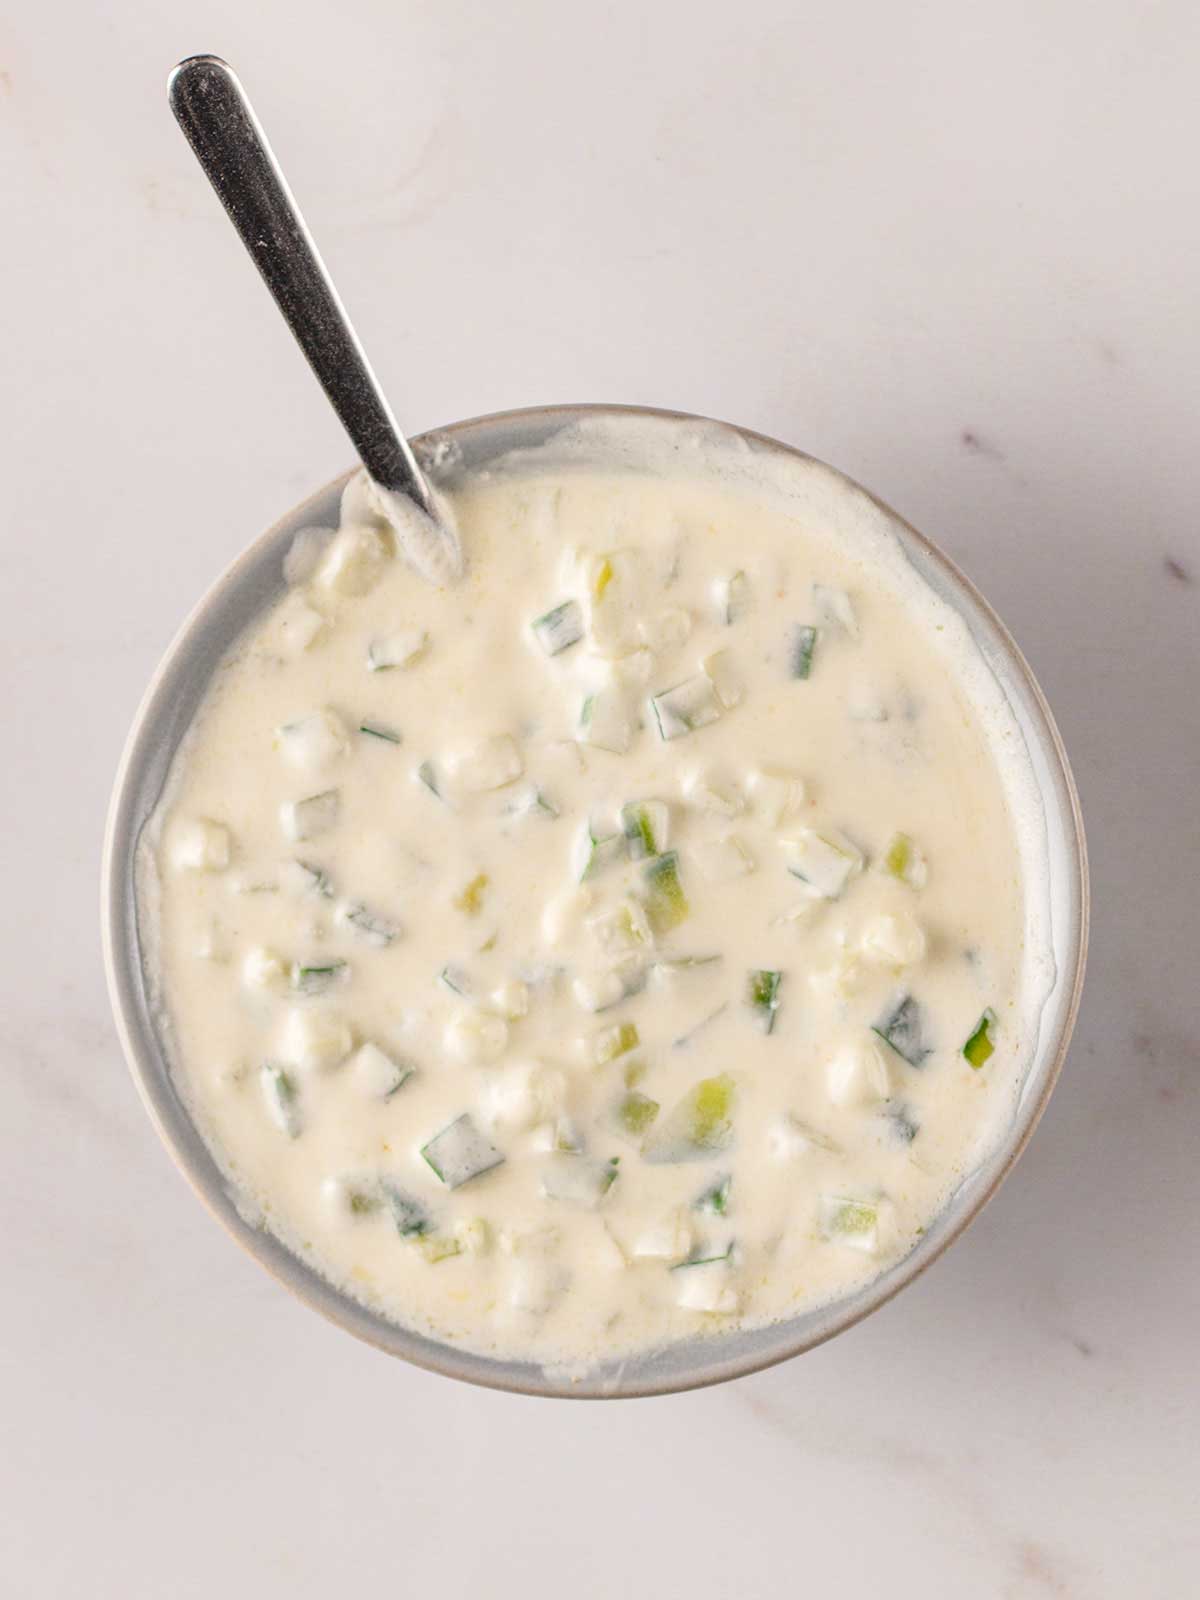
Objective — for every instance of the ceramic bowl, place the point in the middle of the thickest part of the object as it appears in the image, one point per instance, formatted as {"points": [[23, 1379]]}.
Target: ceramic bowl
{"points": [[176, 691]]}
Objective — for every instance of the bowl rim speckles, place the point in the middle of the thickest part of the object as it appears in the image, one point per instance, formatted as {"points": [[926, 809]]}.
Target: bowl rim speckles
{"points": [[166, 711]]}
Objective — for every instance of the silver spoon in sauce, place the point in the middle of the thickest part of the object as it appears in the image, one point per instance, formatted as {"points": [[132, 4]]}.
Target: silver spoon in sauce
{"points": [[211, 107]]}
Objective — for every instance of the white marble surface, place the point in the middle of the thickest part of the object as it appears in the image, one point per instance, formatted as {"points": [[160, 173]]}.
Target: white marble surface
{"points": [[951, 248]]}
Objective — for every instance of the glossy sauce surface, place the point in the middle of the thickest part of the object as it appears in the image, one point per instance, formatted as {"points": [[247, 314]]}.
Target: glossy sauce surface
{"points": [[622, 944]]}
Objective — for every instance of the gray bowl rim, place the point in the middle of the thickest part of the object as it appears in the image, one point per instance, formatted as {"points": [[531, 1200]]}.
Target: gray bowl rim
{"points": [[155, 726]]}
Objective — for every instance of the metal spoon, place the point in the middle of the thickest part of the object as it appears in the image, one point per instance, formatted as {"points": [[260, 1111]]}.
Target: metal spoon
{"points": [[211, 107]]}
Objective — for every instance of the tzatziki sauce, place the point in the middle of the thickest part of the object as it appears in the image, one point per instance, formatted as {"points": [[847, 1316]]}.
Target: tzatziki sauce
{"points": [[628, 942]]}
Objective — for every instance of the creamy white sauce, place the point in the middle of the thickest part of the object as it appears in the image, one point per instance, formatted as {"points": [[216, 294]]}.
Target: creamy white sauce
{"points": [[370, 921]]}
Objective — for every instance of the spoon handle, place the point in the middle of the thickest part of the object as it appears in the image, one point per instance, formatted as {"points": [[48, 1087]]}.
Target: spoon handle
{"points": [[211, 107]]}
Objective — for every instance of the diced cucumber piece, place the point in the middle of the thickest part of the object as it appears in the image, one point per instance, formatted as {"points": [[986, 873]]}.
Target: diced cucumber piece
{"points": [[788, 1138], [376, 1074], [305, 819], [409, 1215], [802, 642], [666, 903], [511, 998], [847, 1221], [367, 925], [469, 900], [631, 673], [457, 980], [715, 1199], [795, 916], [689, 705], [603, 990], [980, 1047], [617, 585], [565, 1137], [893, 939], [821, 1141], [519, 1097], [304, 878], [645, 824], [905, 861], [540, 974], [669, 630], [903, 1027], [762, 996], [732, 597], [576, 1180], [263, 969], [376, 730], [703, 1285], [824, 861], [722, 673], [636, 1112], [634, 975], [705, 1256], [594, 851], [701, 1125], [317, 979], [723, 860], [475, 1235], [604, 721], [533, 803], [297, 626], [437, 1247], [541, 806], [395, 649], [493, 763], [902, 1123], [313, 1039], [427, 777], [598, 991], [621, 931], [616, 1041], [282, 1099], [536, 1284], [559, 629], [835, 607], [313, 742], [857, 1074], [461, 1152], [778, 795], [700, 789], [476, 1037], [669, 1238]]}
